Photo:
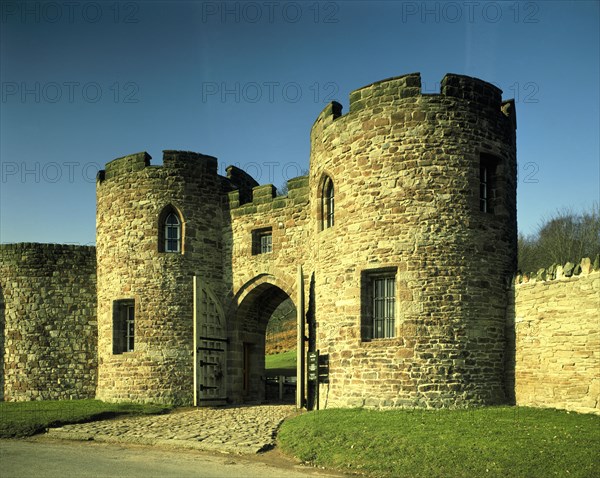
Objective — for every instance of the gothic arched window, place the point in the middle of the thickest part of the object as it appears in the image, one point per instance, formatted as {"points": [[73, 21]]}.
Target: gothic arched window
{"points": [[170, 230]]}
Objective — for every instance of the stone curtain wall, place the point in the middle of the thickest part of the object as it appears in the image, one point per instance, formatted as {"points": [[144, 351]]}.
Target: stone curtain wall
{"points": [[48, 321], [553, 333]]}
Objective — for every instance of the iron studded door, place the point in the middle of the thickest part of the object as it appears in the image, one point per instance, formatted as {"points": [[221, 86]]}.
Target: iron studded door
{"points": [[210, 347]]}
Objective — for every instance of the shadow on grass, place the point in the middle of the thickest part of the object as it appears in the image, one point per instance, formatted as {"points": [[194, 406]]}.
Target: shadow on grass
{"points": [[23, 419]]}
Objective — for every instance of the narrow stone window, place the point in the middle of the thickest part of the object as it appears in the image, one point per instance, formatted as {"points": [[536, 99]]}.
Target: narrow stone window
{"points": [[328, 203], [487, 183], [170, 228], [262, 241], [123, 326], [379, 304]]}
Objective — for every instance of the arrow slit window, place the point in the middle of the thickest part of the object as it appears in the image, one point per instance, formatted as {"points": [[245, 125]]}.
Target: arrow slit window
{"points": [[328, 204], [487, 183]]}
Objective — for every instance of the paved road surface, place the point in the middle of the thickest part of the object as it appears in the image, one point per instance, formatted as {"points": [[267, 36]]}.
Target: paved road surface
{"points": [[43, 457]]}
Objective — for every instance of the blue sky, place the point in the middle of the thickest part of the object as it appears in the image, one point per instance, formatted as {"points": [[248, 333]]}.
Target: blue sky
{"points": [[86, 82]]}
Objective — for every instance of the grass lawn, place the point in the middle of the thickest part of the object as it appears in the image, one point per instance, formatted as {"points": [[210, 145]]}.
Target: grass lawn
{"points": [[19, 419], [285, 361], [491, 442]]}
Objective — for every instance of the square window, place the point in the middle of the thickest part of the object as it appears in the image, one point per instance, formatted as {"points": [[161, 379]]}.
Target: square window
{"points": [[123, 326], [262, 241], [378, 304]]}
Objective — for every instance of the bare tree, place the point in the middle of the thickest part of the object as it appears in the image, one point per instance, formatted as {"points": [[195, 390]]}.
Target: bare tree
{"points": [[563, 237], [283, 189]]}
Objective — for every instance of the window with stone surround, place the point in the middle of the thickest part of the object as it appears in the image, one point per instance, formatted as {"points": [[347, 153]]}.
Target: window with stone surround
{"points": [[327, 204], [378, 304], [170, 231], [487, 183], [123, 326], [262, 241]]}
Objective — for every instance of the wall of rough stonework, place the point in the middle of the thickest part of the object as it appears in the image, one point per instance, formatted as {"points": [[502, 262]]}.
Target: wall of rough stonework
{"points": [[130, 197], [553, 331], [262, 281], [406, 167], [48, 320]]}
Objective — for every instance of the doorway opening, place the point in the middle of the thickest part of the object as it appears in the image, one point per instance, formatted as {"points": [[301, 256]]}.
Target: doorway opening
{"points": [[281, 354], [259, 381]]}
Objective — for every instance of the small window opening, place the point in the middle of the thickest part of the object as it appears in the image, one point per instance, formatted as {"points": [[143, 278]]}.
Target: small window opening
{"points": [[123, 326], [487, 184], [379, 304], [170, 231], [262, 241], [328, 204]]}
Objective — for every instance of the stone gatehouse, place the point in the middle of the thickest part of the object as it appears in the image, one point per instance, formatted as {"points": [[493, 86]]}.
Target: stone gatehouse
{"points": [[398, 250]]}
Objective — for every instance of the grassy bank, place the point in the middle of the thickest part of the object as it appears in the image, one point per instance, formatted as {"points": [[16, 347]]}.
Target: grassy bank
{"points": [[283, 361], [491, 442], [18, 419]]}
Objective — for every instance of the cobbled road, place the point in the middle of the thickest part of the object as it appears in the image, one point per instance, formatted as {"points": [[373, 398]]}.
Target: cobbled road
{"points": [[243, 430]]}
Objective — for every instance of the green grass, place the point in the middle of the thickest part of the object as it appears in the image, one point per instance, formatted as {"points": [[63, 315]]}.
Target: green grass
{"points": [[19, 419], [283, 361], [491, 442]]}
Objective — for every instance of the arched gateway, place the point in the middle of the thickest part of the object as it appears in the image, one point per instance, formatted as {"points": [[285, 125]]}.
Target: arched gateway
{"points": [[256, 304]]}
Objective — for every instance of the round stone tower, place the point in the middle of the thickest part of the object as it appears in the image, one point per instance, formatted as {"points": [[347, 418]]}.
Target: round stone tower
{"points": [[414, 218], [157, 227]]}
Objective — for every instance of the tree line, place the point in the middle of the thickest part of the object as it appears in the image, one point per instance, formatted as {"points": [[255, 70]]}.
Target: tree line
{"points": [[565, 236]]}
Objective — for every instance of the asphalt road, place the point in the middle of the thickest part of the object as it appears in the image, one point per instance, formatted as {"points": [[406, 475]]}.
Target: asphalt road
{"points": [[64, 459]]}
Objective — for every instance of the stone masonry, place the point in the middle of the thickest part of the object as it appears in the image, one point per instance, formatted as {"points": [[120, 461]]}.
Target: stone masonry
{"points": [[406, 167], [414, 190], [48, 322], [554, 339]]}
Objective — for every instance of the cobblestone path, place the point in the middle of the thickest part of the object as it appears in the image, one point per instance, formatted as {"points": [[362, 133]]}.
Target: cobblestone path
{"points": [[243, 430]]}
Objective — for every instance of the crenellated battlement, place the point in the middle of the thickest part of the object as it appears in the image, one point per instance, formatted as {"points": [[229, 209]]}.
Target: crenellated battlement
{"points": [[124, 165], [472, 89], [264, 197], [183, 159], [408, 86], [397, 89], [557, 272], [172, 159]]}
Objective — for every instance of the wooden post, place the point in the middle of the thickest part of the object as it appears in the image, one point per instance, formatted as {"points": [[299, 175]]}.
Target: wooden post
{"points": [[300, 340], [195, 320], [280, 381]]}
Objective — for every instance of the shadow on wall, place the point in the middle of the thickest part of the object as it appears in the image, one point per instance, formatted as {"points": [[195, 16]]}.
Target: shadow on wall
{"points": [[2, 322], [511, 347]]}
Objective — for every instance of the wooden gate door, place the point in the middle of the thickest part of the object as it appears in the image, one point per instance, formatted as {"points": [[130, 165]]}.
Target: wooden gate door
{"points": [[210, 348]]}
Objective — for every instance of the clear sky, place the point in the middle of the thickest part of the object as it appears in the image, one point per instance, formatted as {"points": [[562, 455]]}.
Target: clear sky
{"points": [[86, 82]]}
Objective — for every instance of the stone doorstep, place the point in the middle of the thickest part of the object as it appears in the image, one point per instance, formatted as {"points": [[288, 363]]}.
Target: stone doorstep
{"points": [[239, 449]]}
